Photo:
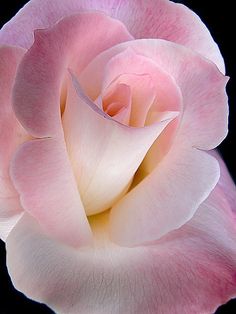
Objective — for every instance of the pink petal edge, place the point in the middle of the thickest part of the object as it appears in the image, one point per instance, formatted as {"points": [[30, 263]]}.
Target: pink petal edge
{"points": [[40, 171], [144, 19]]}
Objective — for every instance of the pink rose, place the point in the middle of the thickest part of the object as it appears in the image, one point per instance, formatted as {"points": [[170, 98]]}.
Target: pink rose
{"points": [[112, 200]]}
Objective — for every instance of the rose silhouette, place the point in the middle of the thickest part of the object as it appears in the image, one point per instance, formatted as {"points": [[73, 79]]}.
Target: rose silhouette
{"points": [[112, 199]]}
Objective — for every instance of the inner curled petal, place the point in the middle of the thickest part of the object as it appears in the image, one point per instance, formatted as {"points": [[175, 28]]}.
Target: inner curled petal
{"points": [[107, 125], [116, 102], [138, 96], [104, 153]]}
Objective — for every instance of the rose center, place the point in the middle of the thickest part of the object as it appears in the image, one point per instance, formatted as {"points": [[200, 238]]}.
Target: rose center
{"points": [[116, 100]]}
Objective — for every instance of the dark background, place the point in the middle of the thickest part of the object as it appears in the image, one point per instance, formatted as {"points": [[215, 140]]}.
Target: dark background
{"points": [[218, 16]]}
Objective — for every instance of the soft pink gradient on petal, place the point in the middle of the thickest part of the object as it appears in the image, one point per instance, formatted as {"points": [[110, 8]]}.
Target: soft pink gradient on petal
{"points": [[104, 153], [42, 175], [11, 132], [143, 95], [120, 94], [166, 199], [203, 126], [42, 72], [11, 135], [162, 144], [109, 67], [117, 103], [132, 280], [144, 19], [123, 115], [201, 84]]}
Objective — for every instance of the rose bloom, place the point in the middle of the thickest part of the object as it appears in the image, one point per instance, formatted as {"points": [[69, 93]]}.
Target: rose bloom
{"points": [[112, 197]]}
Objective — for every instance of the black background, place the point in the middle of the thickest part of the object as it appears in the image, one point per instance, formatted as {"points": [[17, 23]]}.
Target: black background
{"points": [[218, 16]]}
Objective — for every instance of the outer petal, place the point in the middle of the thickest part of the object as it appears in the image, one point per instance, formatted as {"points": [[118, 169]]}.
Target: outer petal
{"points": [[144, 19], [11, 135], [226, 183], [42, 175], [104, 153], [10, 213], [191, 270], [70, 43]]}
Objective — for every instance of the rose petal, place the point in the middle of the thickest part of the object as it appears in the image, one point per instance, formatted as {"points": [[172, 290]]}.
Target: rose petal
{"points": [[203, 125], [42, 175], [11, 132], [118, 99], [144, 19], [120, 94], [131, 280], [42, 71], [104, 154], [166, 199], [109, 66], [10, 213], [11, 135], [226, 183], [143, 96], [201, 84], [123, 116]]}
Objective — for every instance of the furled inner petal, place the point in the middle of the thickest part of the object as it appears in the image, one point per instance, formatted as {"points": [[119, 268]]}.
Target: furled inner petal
{"points": [[104, 153], [116, 102], [120, 64], [114, 108], [142, 95], [123, 115], [158, 96], [173, 65], [161, 95]]}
